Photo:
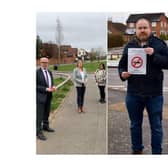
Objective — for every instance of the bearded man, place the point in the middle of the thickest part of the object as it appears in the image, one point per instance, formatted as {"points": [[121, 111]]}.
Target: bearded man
{"points": [[145, 90]]}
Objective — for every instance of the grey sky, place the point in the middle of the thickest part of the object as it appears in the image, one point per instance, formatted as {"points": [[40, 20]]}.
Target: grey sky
{"points": [[118, 16], [81, 30], [123, 16]]}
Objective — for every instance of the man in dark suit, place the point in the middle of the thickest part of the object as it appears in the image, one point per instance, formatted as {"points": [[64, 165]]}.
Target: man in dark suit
{"points": [[44, 81]]}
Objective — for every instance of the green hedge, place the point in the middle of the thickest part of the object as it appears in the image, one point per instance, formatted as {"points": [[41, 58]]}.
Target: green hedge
{"points": [[115, 41]]}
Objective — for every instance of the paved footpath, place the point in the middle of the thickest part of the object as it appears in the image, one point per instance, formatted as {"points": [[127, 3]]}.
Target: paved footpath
{"points": [[77, 133]]}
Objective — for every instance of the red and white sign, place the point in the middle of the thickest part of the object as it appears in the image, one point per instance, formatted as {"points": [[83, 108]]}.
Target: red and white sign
{"points": [[137, 61]]}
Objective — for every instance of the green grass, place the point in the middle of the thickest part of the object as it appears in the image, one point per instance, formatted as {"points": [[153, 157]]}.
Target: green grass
{"points": [[60, 93], [58, 80], [90, 66]]}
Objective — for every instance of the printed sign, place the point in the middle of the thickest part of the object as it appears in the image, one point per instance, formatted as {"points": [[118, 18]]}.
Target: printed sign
{"points": [[137, 61]]}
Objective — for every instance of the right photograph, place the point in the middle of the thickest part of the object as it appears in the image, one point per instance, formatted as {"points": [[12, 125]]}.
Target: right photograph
{"points": [[137, 63]]}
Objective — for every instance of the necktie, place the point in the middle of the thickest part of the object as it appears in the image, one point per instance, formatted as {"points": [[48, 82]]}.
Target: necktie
{"points": [[46, 77]]}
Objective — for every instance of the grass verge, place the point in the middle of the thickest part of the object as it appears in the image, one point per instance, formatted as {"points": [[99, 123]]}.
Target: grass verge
{"points": [[90, 66], [60, 93]]}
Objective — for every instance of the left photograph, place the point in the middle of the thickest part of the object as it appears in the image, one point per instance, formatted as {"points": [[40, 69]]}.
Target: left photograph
{"points": [[71, 78]]}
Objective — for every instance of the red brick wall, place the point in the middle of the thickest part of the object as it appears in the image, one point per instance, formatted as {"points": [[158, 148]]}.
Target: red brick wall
{"points": [[158, 27], [53, 61], [112, 29]]}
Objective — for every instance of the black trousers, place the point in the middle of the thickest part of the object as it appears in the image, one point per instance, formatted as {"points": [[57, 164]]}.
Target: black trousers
{"points": [[80, 95], [102, 92], [43, 111]]}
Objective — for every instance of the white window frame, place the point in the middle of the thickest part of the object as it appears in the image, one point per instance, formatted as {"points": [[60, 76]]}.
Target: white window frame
{"points": [[154, 24], [165, 24], [131, 25]]}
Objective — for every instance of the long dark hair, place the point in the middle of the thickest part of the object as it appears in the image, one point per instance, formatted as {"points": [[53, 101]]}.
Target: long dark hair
{"points": [[103, 65]]}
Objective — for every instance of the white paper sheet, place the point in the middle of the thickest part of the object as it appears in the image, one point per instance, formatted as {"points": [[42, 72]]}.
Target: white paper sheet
{"points": [[137, 61]]}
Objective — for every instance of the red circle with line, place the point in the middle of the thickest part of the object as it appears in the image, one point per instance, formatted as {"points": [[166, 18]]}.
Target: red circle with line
{"points": [[137, 62]]}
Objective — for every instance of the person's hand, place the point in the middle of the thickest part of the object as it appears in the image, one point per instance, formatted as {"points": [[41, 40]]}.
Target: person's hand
{"points": [[84, 83], [125, 75], [54, 88], [149, 50], [49, 89]]}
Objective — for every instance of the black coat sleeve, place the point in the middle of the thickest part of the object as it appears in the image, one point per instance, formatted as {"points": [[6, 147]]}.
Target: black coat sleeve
{"points": [[40, 83], [122, 67], [161, 56]]}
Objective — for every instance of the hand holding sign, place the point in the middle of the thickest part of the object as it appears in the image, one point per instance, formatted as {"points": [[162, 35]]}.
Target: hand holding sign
{"points": [[149, 50], [137, 61], [125, 75]]}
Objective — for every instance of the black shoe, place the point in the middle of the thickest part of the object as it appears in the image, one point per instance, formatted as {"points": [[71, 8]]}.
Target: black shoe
{"points": [[100, 100], [41, 137], [137, 152], [103, 101], [48, 129]]}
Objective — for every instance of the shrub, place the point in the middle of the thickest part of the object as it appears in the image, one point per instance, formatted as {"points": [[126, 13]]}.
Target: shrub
{"points": [[115, 41]]}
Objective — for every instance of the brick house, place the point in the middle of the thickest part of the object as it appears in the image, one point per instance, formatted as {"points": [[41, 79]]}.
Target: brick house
{"points": [[116, 28], [159, 24], [116, 33], [68, 54], [83, 54]]}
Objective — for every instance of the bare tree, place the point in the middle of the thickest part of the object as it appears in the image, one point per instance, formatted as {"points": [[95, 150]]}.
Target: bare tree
{"points": [[59, 38], [39, 46], [97, 53]]}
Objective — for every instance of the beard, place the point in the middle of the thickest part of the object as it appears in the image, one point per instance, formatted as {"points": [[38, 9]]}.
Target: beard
{"points": [[143, 37]]}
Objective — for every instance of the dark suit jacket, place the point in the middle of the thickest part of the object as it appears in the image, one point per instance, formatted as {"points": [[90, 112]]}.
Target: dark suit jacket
{"points": [[41, 86]]}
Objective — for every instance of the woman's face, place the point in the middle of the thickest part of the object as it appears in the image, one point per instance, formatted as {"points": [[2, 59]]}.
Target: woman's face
{"points": [[101, 66], [80, 64]]}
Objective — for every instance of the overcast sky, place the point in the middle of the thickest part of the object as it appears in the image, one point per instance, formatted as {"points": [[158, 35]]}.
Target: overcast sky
{"points": [[80, 30], [123, 16]]}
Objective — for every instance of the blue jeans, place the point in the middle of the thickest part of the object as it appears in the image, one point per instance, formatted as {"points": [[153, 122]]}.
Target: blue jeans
{"points": [[80, 95], [135, 106]]}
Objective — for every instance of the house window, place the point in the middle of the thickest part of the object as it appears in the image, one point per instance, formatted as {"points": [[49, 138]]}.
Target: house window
{"points": [[161, 24], [165, 24], [130, 31], [153, 24], [131, 25]]}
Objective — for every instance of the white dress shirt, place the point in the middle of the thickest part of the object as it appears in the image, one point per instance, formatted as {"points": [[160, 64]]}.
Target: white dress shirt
{"points": [[83, 75], [49, 77]]}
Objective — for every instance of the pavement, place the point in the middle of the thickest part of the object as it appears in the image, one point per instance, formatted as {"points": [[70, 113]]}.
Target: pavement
{"points": [[89, 133], [77, 133]]}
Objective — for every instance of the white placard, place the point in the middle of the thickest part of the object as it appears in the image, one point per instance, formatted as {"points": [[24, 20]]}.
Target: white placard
{"points": [[137, 61]]}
